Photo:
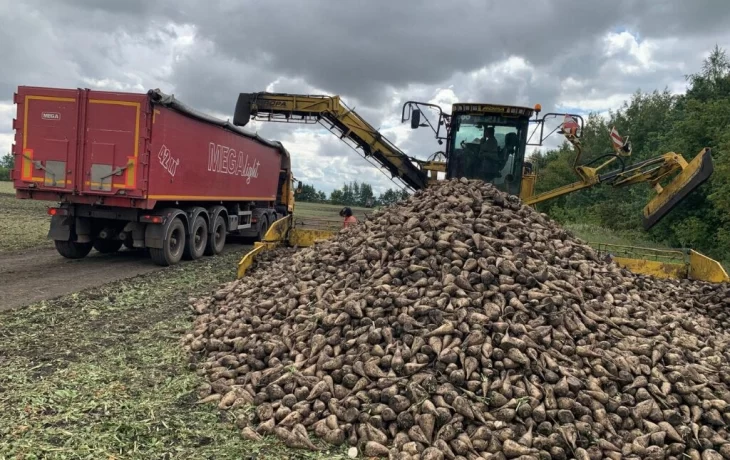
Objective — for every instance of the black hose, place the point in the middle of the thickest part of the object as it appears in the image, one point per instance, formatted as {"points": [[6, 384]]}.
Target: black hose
{"points": [[615, 173], [608, 155]]}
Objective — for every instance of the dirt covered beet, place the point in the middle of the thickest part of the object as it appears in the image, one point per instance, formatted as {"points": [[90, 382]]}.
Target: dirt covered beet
{"points": [[460, 324]]}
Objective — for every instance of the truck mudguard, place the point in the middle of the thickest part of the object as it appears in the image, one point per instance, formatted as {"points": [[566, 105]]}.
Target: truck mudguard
{"points": [[154, 235], [60, 228], [193, 212], [214, 212]]}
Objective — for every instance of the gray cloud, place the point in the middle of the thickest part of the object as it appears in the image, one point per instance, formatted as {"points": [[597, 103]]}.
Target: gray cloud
{"points": [[562, 54]]}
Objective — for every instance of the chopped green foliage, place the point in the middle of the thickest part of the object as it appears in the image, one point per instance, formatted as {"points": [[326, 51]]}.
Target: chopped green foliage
{"points": [[102, 374], [23, 223]]}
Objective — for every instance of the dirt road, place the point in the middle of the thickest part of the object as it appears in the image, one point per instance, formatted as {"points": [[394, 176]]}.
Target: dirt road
{"points": [[30, 276]]}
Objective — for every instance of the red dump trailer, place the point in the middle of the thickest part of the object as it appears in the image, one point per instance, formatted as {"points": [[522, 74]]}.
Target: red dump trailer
{"points": [[145, 171]]}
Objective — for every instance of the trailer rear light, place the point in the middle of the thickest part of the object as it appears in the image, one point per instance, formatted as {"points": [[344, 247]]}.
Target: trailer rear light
{"points": [[254, 220], [152, 219], [57, 212]]}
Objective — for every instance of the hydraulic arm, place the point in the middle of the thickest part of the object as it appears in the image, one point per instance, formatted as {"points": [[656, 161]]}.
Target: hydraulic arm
{"points": [[344, 122], [687, 176]]}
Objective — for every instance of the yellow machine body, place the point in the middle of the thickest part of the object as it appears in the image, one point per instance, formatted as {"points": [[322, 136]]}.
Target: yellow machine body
{"points": [[283, 232], [664, 263], [679, 175], [660, 263]]}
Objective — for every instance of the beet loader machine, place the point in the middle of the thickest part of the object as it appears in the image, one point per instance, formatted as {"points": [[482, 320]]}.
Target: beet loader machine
{"points": [[489, 142]]}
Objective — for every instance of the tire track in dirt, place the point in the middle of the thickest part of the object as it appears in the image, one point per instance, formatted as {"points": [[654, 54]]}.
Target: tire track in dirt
{"points": [[33, 275]]}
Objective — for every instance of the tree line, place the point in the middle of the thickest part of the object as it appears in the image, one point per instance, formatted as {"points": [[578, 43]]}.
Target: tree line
{"points": [[351, 194], [6, 164], [657, 122]]}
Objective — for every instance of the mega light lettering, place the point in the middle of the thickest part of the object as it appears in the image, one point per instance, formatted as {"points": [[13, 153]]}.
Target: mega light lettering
{"points": [[226, 160]]}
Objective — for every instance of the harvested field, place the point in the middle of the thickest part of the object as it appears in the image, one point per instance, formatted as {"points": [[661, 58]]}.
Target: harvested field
{"points": [[100, 374], [23, 223], [25, 252], [462, 325], [324, 216]]}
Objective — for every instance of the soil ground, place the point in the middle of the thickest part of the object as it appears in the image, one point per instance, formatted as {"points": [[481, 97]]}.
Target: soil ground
{"points": [[31, 270], [32, 275], [91, 356], [101, 374]]}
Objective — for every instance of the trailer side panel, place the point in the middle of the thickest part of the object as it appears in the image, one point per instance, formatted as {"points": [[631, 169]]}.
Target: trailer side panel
{"points": [[195, 161]]}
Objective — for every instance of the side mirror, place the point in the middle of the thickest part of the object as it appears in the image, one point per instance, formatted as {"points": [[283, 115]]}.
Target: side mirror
{"points": [[299, 187], [415, 118]]}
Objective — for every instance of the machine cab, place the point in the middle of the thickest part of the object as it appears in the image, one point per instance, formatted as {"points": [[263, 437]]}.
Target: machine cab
{"points": [[487, 142]]}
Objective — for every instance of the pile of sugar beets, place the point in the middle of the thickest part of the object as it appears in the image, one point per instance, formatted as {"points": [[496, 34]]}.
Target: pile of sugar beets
{"points": [[460, 324]]}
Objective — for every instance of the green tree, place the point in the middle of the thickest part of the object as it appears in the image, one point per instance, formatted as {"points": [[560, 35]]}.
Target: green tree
{"points": [[657, 122], [355, 187], [308, 194], [366, 194], [712, 80], [337, 197], [7, 162], [389, 197], [348, 195]]}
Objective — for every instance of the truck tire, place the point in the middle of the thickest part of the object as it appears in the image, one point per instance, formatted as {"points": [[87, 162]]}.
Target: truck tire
{"points": [[173, 245], [263, 228], [73, 249], [195, 246], [216, 237], [107, 246]]}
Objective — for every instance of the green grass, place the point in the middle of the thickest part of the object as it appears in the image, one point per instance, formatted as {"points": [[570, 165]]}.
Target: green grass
{"points": [[329, 211], [23, 223], [631, 244], [6, 188], [595, 234], [102, 374], [321, 215]]}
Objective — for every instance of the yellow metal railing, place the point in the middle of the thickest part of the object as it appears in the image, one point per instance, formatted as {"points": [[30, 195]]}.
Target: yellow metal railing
{"points": [[664, 263], [661, 263], [655, 254]]}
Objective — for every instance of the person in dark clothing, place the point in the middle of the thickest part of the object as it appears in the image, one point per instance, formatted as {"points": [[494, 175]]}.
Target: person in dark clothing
{"points": [[349, 219]]}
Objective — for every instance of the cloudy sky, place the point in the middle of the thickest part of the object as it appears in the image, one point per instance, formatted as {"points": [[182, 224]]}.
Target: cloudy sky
{"points": [[564, 54]]}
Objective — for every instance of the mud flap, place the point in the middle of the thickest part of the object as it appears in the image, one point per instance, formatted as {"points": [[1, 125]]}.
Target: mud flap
{"points": [[154, 234], [82, 230], [60, 229], [69, 228], [691, 177]]}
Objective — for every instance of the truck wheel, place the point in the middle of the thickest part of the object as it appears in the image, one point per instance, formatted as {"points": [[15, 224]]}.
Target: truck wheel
{"points": [[73, 249], [173, 246], [216, 237], [264, 228], [107, 246], [195, 246]]}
